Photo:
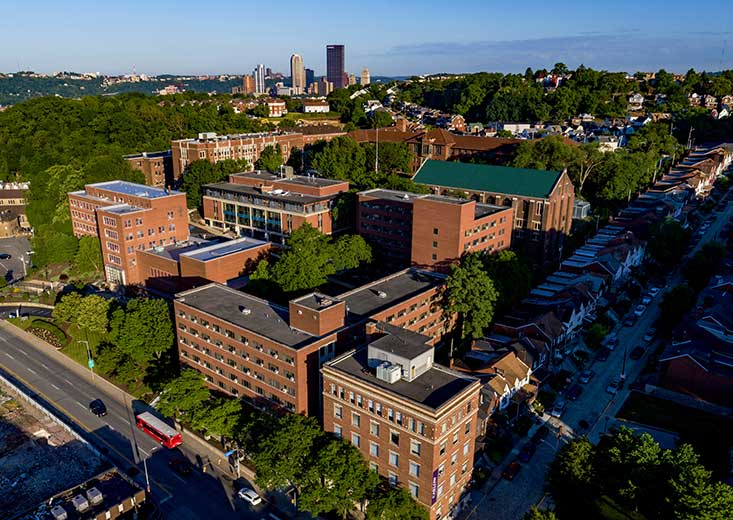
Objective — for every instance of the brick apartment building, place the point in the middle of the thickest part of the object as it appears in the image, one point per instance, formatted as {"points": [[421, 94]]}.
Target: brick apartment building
{"points": [[430, 230], [414, 421], [127, 218], [276, 108], [156, 166], [270, 207], [271, 354], [173, 268], [440, 144], [542, 200], [212, 147]]}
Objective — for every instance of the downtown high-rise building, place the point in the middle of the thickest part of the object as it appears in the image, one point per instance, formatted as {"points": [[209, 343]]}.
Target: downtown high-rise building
{"points": [[365, 77], [310, 77], [259, 74], [297, 74], [335, 65]]}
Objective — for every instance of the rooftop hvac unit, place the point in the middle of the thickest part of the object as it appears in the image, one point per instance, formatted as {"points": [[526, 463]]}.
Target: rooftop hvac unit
{"points": [[59, 513], [245, 310], [207, 135], [389, 372], [95, 496], [80, 503]]}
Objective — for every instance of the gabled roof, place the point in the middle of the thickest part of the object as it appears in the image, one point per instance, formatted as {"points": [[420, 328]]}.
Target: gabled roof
{"points": [[481, 177]]}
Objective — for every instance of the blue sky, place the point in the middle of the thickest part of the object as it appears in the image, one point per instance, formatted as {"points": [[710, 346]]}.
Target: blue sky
{"points": [[390, 37]]}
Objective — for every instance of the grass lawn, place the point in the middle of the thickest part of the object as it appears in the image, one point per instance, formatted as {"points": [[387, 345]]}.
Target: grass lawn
{"points": [[77, 349], [707, 432], [608, 509]]}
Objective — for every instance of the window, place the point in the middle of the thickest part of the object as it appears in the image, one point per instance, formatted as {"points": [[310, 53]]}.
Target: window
{"points": [[464, 468], [394, 459], [443, 427], [434, 256], [355, 419], [394, 437], [411, 424], [414, 447], [356, 439], [452, 481], [374, 449], [414, 469], [414, 489], [337, 430], [374, 428], [390, 414], [441, 470], [399, 418], [435, 231], [338, 411], [454, 459], [465, 449], [442, 448], [440, 490], [435, 243], [379, 408], [420, 428], [467, 429], [392, 479]]}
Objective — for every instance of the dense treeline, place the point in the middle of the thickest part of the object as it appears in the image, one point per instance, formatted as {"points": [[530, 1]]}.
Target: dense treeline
{"points": [[61, 144], [520, 97]]}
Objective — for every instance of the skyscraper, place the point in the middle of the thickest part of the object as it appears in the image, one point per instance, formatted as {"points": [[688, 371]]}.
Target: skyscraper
{"points": [[335, 65], [310, 77], [259, 74], [365, 77], [297, 74]]}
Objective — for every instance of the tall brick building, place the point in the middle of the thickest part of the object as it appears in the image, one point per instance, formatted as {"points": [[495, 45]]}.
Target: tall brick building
{"points": [[542, 200], [271, 354], [430, 230], [270, 207], [127, 218], [156, 166], [414, 421]]}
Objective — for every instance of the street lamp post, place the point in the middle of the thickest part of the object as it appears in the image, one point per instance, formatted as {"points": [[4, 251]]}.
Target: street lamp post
{"points": [[90, 360], [623, 364]]}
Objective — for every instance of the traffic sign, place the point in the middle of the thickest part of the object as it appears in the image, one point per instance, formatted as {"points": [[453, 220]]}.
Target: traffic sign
{"points": [[90, 363]]}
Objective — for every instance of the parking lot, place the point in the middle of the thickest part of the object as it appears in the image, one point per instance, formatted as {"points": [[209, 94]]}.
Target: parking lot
{"points": [[17, 247]]}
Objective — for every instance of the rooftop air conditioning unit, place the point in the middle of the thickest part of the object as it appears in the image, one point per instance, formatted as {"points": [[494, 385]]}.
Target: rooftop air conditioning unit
{"points": [[80, 503], [95, 496], [246, 311], [382, 294], [207, 135], [389, 372], [59, 513]]}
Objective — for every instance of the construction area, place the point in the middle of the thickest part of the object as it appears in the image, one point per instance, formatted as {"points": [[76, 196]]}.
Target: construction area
{"points": [[40, 456]]}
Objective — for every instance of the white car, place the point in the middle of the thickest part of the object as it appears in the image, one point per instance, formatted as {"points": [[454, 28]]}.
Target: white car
{"points": [[640, 309], [249, 495], [646, 299], [653, 291], [558, 409]]}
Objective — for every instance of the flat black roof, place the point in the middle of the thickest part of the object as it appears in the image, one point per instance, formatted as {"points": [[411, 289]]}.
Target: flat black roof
{"points": [[302, 180], [401, 342], [279, 195], [316, 301], [483, 210], [244, 310], [433, 389]]}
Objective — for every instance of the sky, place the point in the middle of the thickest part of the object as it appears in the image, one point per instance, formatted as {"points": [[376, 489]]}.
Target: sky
{"points": [[390, 37]]}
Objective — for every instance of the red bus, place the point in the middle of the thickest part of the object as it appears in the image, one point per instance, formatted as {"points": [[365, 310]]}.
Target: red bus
{"points": [[158, 430]]}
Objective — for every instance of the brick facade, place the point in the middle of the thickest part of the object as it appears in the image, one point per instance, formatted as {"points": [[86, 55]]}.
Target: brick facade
{"points": [[156, 166]]}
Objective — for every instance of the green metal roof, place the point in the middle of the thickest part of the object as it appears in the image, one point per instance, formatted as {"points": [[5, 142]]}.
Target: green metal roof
{"points": [[482, 177]]}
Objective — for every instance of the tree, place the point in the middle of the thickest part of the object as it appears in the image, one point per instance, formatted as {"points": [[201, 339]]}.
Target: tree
{"points": [[112, 362], [285, 457], [67, 308], [270, 159], [701, 267], [471, 293], [89, 256], [93, 314], [596, 332], [539, 514], [197, 174], [667, 242], [512, 277], [184, 396], [675, 303], [380, 119], [338, 479], [395, 504], [261, 111], [143, 329], [571, 475], [222, 417], [339, 158], [350, 251]]}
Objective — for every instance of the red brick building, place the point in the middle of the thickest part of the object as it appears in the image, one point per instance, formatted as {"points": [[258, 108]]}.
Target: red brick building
{"points": [[128, 218], [430, 230], [276, 108], [414, 421], [542, 201], [270, 207], [271, 354], [156, 166]]}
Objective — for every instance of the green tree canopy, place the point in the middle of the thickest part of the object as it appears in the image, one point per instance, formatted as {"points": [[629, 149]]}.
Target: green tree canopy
{"points": [[667, 242], [143, 329], [201, 172], [89, 256], [512, 277], [395, 504], [89, 313], [270, 159], [185, 396], [539, 514], [471, 294]]}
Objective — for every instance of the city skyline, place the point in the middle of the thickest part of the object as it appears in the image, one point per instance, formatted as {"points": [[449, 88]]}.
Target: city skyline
{"points": [[409, 41]]}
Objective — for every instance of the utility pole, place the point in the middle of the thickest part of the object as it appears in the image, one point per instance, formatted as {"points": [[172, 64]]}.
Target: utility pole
{"points": [[90, 360], [376, 152]]}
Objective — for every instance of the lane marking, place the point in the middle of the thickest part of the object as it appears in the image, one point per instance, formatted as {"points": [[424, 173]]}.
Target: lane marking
{"points": [[179, 478], [56, 387], [84, 407], [11, 357], [24, 353], [44, 365], [31, 370], [72, 384]]}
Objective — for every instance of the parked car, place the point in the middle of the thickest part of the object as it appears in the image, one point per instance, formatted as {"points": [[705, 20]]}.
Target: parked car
{"points": [[527, 451], [636, 353], [574, 392], [639, 310], [180, 465], [98, 408], [249, 495], [613, 387], [653, 290], [586, 376], [650, 335], [611, 341], [646, 299], [603, 354], [558, 409], [540, 434], [5, 256], [512, 470], [630, 320]]}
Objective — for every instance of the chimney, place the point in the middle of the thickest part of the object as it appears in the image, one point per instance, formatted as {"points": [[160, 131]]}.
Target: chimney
{"points": [[401, 124]]}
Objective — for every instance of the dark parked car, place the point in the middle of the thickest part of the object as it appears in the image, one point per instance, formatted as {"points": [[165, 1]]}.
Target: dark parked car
{"points": [[180, 465], [512, 470], [629, 321], [636, 353], [5, 256], [97, 408], [540, 434], [574, 392], [525, 454], [586, 376], [603, 354]]}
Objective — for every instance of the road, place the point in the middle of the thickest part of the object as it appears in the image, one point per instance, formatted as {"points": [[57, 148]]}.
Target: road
{"points": [[505, 500], [199, 495]]}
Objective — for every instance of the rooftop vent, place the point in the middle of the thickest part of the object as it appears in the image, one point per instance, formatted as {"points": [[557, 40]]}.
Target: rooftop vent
{"points": [[245, 310], [95, 496], [59, 513], [382, 294], [406, 196], [80, 503], [388, 372]]}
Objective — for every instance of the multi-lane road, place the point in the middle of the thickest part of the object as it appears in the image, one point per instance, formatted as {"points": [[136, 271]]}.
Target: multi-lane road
{"points": [[509, 500], [69, 389]]}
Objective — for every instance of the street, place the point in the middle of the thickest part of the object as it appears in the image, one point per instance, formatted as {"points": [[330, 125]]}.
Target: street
{"points": [[510, 500], [198, 495]]}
